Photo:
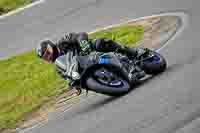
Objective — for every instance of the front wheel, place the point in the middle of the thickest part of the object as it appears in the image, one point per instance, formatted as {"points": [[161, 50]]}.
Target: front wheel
{"points": [[155, 64], [106, 82]]}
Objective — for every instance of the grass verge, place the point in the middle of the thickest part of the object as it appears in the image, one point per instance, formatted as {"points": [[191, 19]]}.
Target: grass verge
{"points": [[26, 81], [124, 34], [8, 5]]}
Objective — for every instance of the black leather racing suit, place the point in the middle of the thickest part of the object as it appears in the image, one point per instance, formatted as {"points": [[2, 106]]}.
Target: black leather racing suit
{"points": [[83, 45], [75, 44]]}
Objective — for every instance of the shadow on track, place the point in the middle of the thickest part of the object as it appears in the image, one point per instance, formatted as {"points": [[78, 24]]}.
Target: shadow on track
{"points": [[102, 102]]}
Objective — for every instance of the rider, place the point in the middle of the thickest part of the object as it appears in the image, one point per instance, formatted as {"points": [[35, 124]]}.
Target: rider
{"points": [[74, 44]]}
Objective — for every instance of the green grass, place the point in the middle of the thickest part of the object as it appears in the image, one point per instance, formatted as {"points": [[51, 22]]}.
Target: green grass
{"points": [[8, 5], [125, 34], [26, 81]]}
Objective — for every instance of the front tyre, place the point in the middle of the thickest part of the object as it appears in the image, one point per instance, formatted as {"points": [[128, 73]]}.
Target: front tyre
{"points": [[94, 85], [154, 65], [107, 82]]}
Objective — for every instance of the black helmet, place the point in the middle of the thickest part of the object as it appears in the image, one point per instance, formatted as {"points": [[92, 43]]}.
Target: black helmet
{"points": [[47, 50]]}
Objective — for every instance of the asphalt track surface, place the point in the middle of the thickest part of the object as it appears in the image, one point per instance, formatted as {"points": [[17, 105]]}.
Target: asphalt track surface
{"points": [[167, 103]]}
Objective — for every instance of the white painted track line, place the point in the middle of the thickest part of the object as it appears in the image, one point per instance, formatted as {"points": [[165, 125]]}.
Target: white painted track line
{"points": [[21, 9]]}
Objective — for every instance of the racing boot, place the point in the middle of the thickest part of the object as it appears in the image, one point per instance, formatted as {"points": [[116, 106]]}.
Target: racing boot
{"points": [[135, 74]]}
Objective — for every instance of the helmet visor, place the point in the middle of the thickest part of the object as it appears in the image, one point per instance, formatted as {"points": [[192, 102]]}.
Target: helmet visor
{"points": [[48, 54]]}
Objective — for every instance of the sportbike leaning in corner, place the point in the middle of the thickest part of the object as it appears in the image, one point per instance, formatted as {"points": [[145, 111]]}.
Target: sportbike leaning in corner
{"points": [[101, 65]]}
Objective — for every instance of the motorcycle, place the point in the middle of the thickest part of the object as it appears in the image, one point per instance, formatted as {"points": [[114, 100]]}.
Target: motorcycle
{"points": [[107, 73]]}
